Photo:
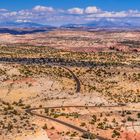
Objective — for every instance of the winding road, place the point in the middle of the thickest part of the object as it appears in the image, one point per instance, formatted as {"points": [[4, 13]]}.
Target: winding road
{"points": [[50, 62], [78, 84], [32, 112]]}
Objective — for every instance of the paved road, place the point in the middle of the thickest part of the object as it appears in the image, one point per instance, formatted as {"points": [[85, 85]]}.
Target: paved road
{"points": [[53, 62], [79, 106], [47, 61], [30, 111], [78, 84]]}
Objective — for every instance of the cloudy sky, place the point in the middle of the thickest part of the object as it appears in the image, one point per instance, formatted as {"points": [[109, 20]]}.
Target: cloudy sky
{"points": [[57, 12]]}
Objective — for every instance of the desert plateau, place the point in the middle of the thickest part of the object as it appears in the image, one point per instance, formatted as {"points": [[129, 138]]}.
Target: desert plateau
{"points": [[70, 85]]}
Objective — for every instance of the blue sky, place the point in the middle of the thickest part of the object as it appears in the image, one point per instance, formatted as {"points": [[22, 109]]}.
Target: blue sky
{"points": [[115, 5], [66, 11]]}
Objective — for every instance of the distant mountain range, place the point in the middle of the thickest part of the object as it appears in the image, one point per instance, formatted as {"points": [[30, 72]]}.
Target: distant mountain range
{"points": [[23, 25], [108, 23], [103, 23], [97, 23], [18, 31]]}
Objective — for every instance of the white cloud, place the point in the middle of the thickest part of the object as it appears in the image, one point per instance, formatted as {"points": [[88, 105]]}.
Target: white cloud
{"points": [[3, 10], [40, 8], [50, 15], [91, 10], [10, 14], [76, 11], [21, 21], [106, 14], [25, 13]]}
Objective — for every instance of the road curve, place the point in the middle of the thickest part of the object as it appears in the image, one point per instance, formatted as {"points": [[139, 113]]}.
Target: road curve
{"points": [[64, 123], [32, 112], [42, 61], [78, 84]]}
